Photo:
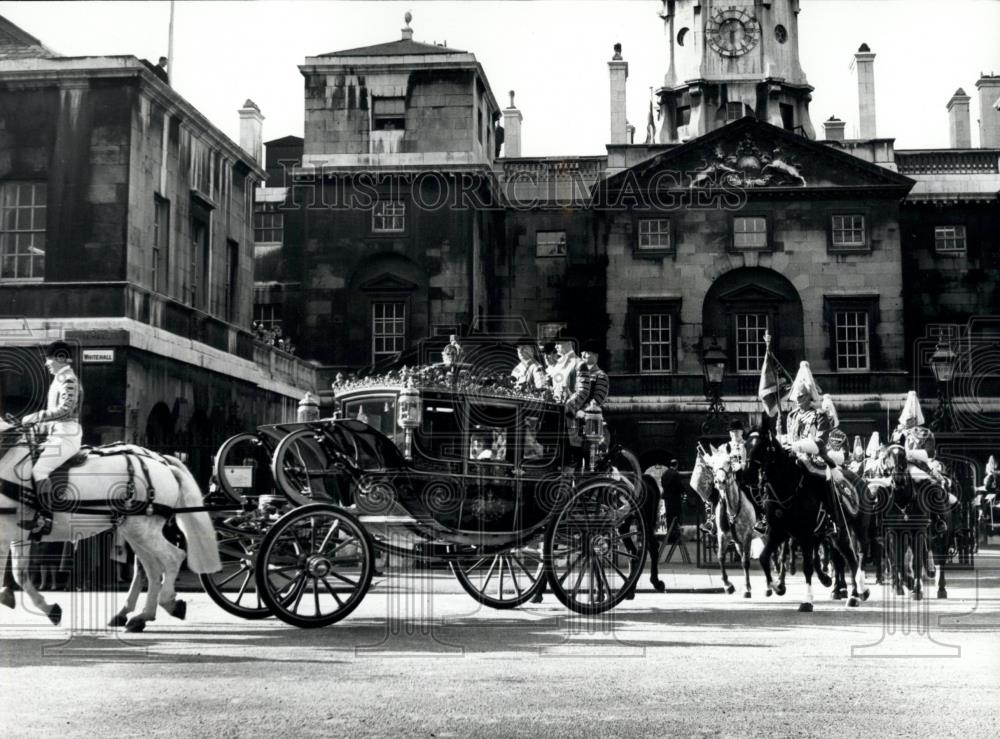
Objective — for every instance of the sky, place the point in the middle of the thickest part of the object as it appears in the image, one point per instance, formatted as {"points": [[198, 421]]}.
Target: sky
{"points": [[554, 54]]}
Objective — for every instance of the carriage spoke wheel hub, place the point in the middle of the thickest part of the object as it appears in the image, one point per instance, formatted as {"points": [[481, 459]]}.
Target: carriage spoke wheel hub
{"points": [[318, 566], [600, 545]]}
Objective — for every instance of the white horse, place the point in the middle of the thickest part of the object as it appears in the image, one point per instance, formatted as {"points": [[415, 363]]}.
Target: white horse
{"points": [[101, 484], [735, 515]]}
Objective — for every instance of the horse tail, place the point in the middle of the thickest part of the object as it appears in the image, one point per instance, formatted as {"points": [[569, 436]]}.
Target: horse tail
{"points": [[202, 546]]}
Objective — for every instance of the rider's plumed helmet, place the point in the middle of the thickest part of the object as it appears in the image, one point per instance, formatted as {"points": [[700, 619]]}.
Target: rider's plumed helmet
{"points": [[911, 414], [804, 384]]}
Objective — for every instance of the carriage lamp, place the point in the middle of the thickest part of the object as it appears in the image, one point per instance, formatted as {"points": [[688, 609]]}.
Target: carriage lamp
{"points": [[408, 415], [593, 430], [714, 362], [943, 363]]}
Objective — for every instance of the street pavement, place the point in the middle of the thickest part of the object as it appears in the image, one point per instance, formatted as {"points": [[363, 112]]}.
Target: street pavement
{"points": [[421, 658]]}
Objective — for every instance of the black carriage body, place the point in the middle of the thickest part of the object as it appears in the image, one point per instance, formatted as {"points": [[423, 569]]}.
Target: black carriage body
{"points": [[484, 470]]}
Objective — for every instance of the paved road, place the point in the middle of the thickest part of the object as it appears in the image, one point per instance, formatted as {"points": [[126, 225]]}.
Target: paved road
{"points": [[418, 661]]}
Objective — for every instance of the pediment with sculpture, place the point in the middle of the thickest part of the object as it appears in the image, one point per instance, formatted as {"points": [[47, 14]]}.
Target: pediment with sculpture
{"points": [[748, 162]]}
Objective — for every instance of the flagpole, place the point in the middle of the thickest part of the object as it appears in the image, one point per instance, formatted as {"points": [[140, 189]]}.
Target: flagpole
{"points": [[767, 345], [170, 44]]}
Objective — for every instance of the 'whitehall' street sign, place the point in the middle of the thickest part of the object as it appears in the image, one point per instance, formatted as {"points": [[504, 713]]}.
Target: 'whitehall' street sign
{"points": [[98, 356]]}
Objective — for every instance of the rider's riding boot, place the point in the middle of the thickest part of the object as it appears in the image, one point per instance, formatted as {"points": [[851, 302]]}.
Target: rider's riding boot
{"points": [[761, 526], [41, 524]]}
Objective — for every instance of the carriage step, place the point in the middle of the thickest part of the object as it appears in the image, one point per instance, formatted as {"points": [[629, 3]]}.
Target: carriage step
{"points": [[393, 520]]}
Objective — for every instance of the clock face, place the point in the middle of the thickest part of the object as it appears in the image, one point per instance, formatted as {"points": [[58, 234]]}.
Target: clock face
{"points": [[733, 32]]}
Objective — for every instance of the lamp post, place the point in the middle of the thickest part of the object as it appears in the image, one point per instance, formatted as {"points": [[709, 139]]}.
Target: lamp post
{"points": [[714, 362], [943, 366]]}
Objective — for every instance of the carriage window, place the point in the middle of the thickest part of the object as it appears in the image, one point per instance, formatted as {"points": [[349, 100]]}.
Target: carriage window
{"points": [[440, 435], [540, 438], [491, 433], [379, 413]]}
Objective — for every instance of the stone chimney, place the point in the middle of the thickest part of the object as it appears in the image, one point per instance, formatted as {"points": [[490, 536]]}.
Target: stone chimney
{"points": [[959, 125], [834, 129], [864, 61], [252, 131], [618, 71], [511, 130], [989, 114]]}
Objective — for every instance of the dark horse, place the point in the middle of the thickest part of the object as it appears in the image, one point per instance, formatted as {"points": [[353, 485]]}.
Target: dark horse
{"points": [[799, 504], [918, 515]]}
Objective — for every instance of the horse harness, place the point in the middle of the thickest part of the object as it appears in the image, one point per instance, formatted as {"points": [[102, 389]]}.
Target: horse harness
{"points": [[56, 500]]}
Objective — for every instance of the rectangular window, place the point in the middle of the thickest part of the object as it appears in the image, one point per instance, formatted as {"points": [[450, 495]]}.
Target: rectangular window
{"points": [[750, 233], [389, 114], [230, 289], [787, 116], [161, 245], [550, 243], [388, 329], [22, 230], [198, 286], [549, 331], [683, 115], [734, 111], [268, 224], [848, 232], [389, 217], [949, 239], [750, 346], [851, 328], [654, 234], [267, 315], [655, 342]]}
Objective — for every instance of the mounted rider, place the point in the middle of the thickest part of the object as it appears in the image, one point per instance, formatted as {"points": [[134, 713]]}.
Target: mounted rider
{"points": [[736, 449], [60, 425], [918, 440]]}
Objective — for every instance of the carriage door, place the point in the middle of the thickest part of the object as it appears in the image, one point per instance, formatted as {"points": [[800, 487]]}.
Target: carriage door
{"points": [[493, 481]]}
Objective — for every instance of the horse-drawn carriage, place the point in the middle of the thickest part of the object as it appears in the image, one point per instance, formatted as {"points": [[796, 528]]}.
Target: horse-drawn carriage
{"points": [[427, 464]]}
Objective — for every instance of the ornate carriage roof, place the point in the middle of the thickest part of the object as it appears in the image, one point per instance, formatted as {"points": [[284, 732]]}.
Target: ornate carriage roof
{"points": [[458, 379]]}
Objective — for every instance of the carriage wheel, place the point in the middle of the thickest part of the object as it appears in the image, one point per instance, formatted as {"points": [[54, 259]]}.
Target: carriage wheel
{"points": [[315, 565], [301, 469], [505, 579], [595, 547], [234, 588], [240, 449]]}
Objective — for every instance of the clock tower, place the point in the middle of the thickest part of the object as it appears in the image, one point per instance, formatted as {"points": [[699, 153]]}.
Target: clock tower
{"points": [[728, 59]]}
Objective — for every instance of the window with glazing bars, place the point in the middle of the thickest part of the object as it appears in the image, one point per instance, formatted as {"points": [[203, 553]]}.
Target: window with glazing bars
{"points": [[851, 329], [388, 329], [654, 233], [389, 217], [268, 224], [848, 231], [22, 230], [750, 233], [750, 346], [949, 239], [655, 333]]}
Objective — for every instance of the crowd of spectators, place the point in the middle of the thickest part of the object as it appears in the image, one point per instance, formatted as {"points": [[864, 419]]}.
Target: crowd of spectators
{"points": [[272, 337]]}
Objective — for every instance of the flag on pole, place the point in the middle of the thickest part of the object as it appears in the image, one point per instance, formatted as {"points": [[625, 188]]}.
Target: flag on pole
{"points": [[769, 390], [650, 122]]}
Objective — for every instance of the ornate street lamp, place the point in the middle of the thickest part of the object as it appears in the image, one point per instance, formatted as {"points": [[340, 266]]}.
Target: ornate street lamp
{"points": [[942, 364], [714, 362]]}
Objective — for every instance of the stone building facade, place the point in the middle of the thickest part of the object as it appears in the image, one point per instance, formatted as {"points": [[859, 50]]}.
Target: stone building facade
{"points": [[729, 220], [126, 230]]}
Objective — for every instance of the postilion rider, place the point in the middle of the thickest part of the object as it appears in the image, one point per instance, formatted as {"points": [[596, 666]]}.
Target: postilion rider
{"points": [[60, 425], [736, 448]]}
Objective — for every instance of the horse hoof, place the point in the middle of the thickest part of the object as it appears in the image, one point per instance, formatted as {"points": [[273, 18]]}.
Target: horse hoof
{"points": [[55, 614], [659, 587], [7, 597], [853, 602], [805, 607], [899, 590], [866, 594], [180, 609], [780, 590], [746, 594], [824, 579], [942, 594], [630, 595], [767, 593], [135, 625], [119, 620], [730, 588], [917, 595], [838, 595]]}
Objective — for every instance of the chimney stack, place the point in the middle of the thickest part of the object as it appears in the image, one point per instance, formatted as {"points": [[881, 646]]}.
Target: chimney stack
{"points": [[618, 71], [407, 31], [834, 129], [864, 61], [252, 131], [989, 114], [511, 130], [959, 125]]}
